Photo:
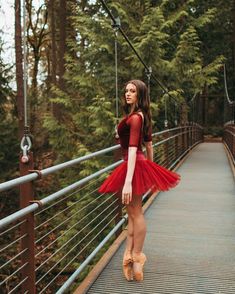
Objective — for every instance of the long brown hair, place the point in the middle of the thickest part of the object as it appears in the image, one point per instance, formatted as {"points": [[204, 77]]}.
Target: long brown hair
{"points": [[143, 103]]}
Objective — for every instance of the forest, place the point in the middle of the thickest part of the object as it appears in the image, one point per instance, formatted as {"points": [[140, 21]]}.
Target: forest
{"points": [[71, 71], [70, 56]]}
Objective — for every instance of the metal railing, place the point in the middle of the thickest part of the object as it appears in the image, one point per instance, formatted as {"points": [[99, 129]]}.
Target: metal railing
{"points": [[48, 244], [229, 139]]}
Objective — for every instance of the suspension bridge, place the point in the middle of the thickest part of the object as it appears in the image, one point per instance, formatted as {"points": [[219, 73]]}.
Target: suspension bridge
{"points": [[71, 240], [190, 243]]}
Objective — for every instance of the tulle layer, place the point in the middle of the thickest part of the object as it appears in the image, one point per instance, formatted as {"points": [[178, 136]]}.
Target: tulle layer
{"points": [[147, 175]]}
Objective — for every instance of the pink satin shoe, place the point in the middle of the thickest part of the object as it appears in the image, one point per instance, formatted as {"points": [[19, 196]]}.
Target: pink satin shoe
{"points": [[138, 266], [127, 264]]}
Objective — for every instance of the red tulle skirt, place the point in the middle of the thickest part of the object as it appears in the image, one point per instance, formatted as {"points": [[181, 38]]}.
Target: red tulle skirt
{"points": [[147, 175]]}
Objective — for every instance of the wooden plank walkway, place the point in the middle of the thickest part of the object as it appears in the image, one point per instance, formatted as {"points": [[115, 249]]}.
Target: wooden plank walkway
{"points": [[190, 242]]}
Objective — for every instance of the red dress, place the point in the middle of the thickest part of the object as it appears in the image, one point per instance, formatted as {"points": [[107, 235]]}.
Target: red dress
{"points": [[147, 174]]}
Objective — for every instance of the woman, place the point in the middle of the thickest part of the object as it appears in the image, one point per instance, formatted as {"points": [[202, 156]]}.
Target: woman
{"points": [[137, 174]]}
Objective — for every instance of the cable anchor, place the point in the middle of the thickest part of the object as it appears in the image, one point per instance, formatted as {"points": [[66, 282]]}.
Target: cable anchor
{"points": [[25, 146]]}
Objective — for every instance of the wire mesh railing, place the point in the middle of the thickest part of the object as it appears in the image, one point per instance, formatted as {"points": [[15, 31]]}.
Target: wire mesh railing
{"points": [[229, 139], [51, 242], [229, 121]]}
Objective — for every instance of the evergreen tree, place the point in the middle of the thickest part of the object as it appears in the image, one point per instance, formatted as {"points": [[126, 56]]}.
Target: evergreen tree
{"points": [[8, 125]]}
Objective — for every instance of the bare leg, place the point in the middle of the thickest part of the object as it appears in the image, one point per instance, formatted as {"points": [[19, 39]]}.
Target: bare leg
{"points": [[127, 257], [135, 213], [130, 233], [139, 227]]}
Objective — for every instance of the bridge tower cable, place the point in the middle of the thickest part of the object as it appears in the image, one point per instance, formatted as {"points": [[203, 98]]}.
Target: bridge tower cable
{"points": [[26, 143], [228, 102], [116, 25], [147, 68]]}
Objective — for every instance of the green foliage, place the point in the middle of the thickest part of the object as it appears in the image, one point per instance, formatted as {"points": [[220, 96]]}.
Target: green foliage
{"points": [[9, 145], [185, 43]]}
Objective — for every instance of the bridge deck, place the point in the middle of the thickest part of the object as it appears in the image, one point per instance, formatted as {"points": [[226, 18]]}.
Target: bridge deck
{"points": [[190, 242]]}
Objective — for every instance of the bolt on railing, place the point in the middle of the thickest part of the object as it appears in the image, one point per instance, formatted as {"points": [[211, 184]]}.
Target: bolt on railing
{"points": [[67, 229]]}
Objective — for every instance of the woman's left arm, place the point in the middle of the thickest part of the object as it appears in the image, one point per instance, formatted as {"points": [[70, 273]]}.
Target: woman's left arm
{"points": [[127, 188], [135, 123], [149, 150]]}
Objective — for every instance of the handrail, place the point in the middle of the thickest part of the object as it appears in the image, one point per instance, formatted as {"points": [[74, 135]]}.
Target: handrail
{"points": [[33, 207], [229, 140], [24, 211], [44, 172]]}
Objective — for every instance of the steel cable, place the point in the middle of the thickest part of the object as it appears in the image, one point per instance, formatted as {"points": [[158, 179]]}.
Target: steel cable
{"points": [[71, 194], [65, 232], [13, 227], [65, 209], [68, 218], [17, 286], [58, 250], [21, 237], [13, 258], [15, 272], [79, 253], [226, 88], [135, 51], [74, 246]]}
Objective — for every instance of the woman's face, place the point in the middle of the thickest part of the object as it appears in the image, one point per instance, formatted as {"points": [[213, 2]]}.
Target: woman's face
{"points": [[131, 94]]}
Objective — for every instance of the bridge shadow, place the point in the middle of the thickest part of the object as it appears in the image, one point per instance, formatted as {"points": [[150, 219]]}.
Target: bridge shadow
{"points": [[190, 242]]}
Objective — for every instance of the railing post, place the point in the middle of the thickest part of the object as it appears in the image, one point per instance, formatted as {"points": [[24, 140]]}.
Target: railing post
{"points": [[176, 145], [191, 135], [187, 136], [233, 143], [27, 228], [180, 147], [166, 149], [184, 138]]}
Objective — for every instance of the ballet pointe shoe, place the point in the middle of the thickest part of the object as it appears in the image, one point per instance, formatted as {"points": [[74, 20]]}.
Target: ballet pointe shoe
{"points": [[138, 266], [127, 266]]}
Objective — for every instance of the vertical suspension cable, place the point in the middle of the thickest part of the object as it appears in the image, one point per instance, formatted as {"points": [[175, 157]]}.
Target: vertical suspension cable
{"points": [[116, 74], [166, 119], [25, 65], [193, 112], [148, 73], [116, 26], [175, 120], [26, 143]]}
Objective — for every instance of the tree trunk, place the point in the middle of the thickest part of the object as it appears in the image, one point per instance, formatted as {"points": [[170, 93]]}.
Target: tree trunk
{"points": [[205, 105], [53, 42], [184, 114], [19, 68], [62, 42], [233, 36], [52, 9]]}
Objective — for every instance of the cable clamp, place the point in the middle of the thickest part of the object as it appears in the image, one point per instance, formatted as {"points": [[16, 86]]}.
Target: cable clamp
{"points": [[149, 72], [38, 172], [38, 202], [116, 25]]}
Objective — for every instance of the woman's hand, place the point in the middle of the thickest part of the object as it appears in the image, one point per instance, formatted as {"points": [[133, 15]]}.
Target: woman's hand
{"points": [[127, 193]]}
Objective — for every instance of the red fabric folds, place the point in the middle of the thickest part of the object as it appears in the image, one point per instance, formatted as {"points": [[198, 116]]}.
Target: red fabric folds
{"points": [[147, 175]]}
